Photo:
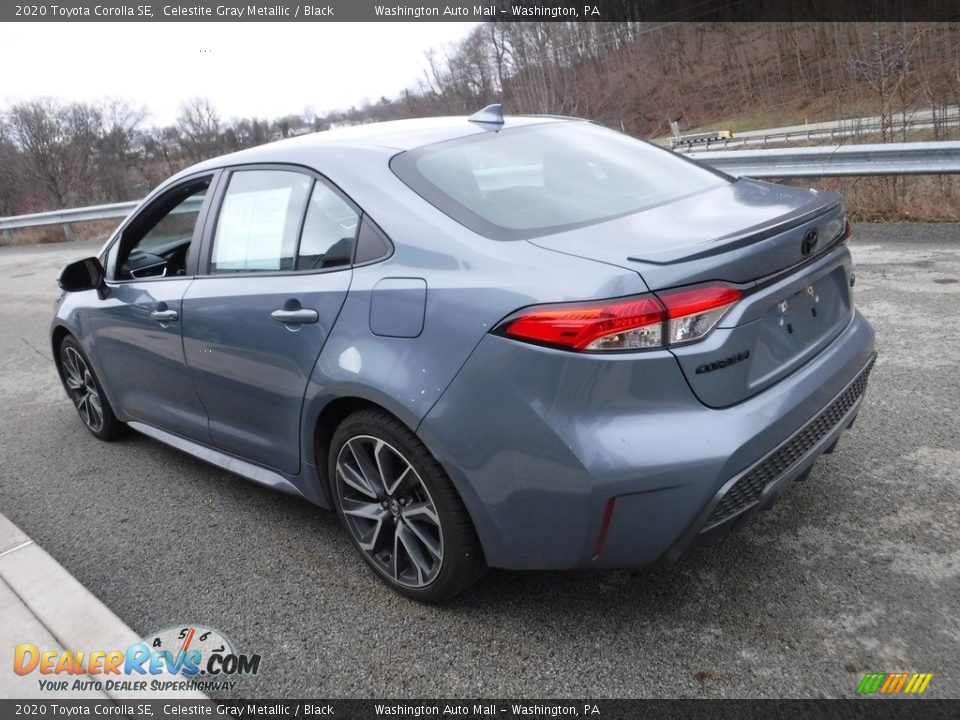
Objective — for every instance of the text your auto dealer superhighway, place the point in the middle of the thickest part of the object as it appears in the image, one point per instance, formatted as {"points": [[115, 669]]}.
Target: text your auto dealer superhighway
{"points": [[227, 11]]}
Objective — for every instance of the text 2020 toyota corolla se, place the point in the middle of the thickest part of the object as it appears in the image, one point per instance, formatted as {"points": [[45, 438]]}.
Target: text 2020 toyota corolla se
{"points": [[530, 343]]}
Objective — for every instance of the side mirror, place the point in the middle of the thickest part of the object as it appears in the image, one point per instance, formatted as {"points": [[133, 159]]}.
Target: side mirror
{"points": [[86, 274]]}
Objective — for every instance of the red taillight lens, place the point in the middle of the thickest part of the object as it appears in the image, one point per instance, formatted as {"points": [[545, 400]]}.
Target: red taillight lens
{"points": [[693, 312], [847, 230], [644, 322], [633, 324]]}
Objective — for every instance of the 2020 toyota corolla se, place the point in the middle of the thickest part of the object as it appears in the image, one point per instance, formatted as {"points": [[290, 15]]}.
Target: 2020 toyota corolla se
{"points": [[534, 343]]}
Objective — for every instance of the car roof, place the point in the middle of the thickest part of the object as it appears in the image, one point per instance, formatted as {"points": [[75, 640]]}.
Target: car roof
{"points": [[408, 134], [388, 137]]}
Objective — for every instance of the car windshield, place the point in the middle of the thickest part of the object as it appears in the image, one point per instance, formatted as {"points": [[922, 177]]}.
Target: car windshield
{"points": [[545, 178]]}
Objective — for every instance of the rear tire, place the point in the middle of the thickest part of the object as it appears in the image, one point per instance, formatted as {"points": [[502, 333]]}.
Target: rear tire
{"points": [[400, 509], [86, 392]]}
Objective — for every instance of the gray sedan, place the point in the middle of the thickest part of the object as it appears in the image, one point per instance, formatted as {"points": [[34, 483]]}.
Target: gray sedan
{"points": [[523, 342]]}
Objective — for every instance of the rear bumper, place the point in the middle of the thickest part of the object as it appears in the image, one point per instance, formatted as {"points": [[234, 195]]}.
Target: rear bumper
{"points": [[758, 487], [538, 441]]}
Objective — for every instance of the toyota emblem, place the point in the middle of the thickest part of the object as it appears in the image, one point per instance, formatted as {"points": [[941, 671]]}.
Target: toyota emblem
{"points": [[809, 242]]}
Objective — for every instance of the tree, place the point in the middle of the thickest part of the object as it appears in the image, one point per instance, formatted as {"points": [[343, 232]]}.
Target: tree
{"points": [[884, 67], [118, 147], [11, 190], [52, 139], [200, 129]]}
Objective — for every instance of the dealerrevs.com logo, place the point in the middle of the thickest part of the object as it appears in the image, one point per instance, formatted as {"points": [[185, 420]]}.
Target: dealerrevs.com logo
{"points": [[182, 658]]}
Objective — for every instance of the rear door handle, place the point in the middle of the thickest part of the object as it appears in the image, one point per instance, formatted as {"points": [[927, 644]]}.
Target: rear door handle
{"points": [[295, 317], [164, 316]]}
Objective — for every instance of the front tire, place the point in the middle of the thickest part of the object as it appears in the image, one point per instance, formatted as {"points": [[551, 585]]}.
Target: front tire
{"points": [[85, 391], [400, 509]]}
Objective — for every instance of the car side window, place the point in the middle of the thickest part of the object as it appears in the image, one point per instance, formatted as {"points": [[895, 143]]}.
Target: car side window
{"points": [[155, 244], [259, 223], [329, 231]]}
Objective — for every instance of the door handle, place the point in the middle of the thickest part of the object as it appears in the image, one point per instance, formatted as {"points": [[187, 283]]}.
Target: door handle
{"points": [[295, 317], [164, 316]]}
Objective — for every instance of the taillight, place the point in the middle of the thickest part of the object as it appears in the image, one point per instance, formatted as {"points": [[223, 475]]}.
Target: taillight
{"points": [[847, 230], [693, 313], [644, 322], [634, 324]]}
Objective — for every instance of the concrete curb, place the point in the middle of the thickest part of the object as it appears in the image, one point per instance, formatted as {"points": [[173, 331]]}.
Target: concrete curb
{"points": [[43, 604]]}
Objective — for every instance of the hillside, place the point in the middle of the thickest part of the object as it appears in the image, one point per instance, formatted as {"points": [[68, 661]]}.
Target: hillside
{"points": [[639, 77]]}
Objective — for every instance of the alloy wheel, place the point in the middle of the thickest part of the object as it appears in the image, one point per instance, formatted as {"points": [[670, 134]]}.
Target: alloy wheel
{"points": [[83, 389], [389, 511]]}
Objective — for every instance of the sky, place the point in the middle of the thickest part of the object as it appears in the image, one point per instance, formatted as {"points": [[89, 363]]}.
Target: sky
{"points": [[262, 70]]}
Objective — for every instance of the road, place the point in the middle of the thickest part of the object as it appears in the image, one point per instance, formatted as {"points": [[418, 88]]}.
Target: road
{"points": [[836, 130], [855, 570]]}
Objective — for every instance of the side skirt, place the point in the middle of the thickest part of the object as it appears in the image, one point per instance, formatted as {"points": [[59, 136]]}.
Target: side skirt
{"points": [[215, 457]]}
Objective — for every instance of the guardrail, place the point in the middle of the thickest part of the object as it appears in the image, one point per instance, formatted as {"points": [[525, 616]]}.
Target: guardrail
{"points": [[65, 218], [918, 158], [76, 215]]}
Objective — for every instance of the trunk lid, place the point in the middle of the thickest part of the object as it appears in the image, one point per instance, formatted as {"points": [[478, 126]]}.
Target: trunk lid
{"points": [[756, 236]]}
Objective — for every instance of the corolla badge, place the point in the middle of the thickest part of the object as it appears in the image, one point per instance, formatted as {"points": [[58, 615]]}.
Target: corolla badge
{"points": [[725, 362]]}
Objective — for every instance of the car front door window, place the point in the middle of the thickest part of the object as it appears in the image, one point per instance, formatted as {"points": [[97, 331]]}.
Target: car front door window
{"points": [[157, 242]]}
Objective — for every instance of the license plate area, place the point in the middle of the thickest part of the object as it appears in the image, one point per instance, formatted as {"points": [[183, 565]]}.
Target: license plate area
{"points": [[807, 312], [800, 324]]}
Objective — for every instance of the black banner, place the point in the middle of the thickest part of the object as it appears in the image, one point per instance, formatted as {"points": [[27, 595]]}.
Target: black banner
{"points": [[484, 10], [883, 709]]}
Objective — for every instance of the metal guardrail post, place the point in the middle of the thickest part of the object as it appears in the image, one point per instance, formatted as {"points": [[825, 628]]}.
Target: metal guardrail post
{"points": [[68, 232], [8, 237]]}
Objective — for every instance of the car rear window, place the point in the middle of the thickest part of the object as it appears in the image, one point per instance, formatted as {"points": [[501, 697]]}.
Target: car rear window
{"points": [[540, 179]]}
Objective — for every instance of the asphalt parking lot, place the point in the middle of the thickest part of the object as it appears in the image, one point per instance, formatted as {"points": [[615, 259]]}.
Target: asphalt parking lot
{"points": [[856, 570]]}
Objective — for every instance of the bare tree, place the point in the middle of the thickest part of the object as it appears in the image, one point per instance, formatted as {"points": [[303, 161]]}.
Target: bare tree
{"points": [[884, 67], [200, 129], [43, 132], [119, 147], [11, 190]]}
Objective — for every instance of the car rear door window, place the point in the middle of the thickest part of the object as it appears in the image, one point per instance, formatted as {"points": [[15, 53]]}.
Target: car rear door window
{"points": [[259, 222], [329, 231]]}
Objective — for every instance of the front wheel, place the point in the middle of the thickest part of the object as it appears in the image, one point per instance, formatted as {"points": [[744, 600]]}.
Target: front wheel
{"points": [[85, 391], [401, 510]]}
